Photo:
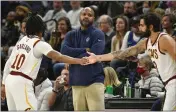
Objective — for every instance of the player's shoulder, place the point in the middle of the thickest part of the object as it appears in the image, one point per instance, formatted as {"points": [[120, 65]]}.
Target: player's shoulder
{"points": [[142, 43], [143, 40], [164, 37]]}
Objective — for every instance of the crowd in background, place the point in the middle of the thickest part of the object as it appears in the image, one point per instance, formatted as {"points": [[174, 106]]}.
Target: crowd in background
{"points": [[118, 20]]}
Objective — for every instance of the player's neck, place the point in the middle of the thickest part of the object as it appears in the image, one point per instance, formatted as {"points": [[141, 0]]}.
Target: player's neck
{"points": [[154, 36], [39, 35]]}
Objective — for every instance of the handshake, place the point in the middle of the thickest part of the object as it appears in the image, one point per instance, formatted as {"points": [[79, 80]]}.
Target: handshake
{"points": [[88, 60]]}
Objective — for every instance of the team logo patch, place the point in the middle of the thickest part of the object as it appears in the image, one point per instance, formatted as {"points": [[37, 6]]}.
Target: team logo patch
{"points": [[87, 39]]}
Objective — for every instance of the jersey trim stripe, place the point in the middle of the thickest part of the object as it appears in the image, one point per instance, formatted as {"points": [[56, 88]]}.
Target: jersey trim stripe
{"points": [[27, 101], [34, 66], [159, 45], [36, 43], [160, 50], [156, 39]]}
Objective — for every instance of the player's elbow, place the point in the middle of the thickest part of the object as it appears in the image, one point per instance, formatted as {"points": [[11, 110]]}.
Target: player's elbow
{"points": [[54, 55]]}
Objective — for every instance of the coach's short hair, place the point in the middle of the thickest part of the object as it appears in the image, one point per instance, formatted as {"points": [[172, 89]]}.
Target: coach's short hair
{"points": [[34, 24]]}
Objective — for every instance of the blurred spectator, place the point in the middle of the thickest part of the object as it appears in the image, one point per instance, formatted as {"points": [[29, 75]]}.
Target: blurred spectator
{"points": [[22, 29], [130, 9], [132, 37], [73, 14], [22, 11], [162, 5], [121, 29], [171, 7], [111, 79], [122, 26], [106, 25], [56, 13], [61, 97], [113, 5], [168, 21], [6, 7], [43, 88], [126, 9], [38, 6], [146, 7], [9, 33], [95, 9], [160, 12], [149, 76], [133, 9], [64, 26]]}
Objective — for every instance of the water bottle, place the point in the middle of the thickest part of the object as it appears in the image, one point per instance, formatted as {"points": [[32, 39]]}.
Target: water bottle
{"points": [[127, 89], [109, 89], [137, 90]]}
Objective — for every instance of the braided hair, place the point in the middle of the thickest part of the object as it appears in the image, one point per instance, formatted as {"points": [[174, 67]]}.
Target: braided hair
{"points": [[34, 24]]}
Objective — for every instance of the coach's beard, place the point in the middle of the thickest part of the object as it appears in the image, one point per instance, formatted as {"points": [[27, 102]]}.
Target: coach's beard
{"points": [[85, 23]]}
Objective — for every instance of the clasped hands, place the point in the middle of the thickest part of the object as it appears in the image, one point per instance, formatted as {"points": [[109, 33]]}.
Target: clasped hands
{"points": [[91, 59]]}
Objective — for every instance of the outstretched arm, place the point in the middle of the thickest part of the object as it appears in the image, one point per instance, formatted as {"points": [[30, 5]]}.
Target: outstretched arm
{"points": [[44, 48], [131, 51], [63, 58]]}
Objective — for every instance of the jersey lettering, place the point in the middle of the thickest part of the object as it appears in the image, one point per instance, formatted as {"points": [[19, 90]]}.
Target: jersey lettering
{"points": [[19, 60], [153, 53]]}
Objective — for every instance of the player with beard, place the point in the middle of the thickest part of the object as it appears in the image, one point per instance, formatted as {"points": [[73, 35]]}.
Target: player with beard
{"points": [[86, 81], [162, 50]]}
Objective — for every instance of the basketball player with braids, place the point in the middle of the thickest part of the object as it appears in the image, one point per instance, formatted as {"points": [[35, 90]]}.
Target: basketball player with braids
{"points": [[162, 50], [23, 65]]}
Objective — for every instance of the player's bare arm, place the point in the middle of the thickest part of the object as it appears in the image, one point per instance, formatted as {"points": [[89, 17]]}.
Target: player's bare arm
{"points": [[97, 58], [131, 51], [66, 59], [168, 44]]}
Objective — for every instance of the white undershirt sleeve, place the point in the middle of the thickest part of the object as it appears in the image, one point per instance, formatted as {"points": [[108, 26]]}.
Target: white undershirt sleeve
{"points": [[42, 48]]}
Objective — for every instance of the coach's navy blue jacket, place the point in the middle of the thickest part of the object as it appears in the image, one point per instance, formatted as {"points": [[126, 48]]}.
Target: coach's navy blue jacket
{"points": [[75, 44]]}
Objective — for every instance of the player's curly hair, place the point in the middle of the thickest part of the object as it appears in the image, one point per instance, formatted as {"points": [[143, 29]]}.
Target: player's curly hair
{"points": [[34, 24], [152, 19]]}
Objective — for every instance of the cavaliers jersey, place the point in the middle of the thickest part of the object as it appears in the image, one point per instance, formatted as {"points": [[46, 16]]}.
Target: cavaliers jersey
{"points": [[23, 57], [162, 61]]}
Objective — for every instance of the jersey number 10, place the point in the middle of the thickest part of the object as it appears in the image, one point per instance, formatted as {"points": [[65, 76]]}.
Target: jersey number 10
{"points": [[19, 60]]}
